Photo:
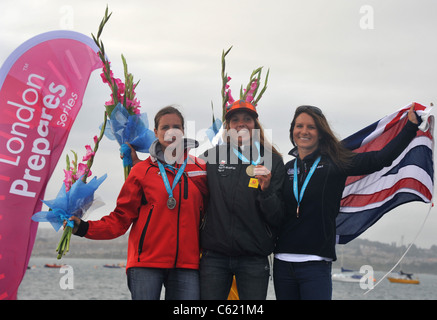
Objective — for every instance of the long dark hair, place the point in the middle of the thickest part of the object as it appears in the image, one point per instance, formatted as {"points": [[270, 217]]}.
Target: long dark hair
{"points": [[329, 145]]}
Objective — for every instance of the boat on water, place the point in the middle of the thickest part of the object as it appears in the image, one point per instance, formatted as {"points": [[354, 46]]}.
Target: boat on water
{"points": [[53, 265], [347, 276], [117, 266], [402, 277]]}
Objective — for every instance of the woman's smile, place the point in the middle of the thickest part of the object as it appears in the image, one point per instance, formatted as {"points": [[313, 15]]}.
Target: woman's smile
{"points": [[305, 135]]}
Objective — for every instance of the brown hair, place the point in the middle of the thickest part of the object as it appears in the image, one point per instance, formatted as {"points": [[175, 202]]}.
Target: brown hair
{"points": [[263, 141], [168, 110], [329, 145]]}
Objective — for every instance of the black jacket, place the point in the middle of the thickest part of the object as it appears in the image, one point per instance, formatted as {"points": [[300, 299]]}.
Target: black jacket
{"points": [[241, 220], [314, 231]]}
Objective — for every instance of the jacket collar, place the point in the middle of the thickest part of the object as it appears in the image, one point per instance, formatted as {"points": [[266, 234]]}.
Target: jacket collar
{"points": [[156, 152], [312, 156]]}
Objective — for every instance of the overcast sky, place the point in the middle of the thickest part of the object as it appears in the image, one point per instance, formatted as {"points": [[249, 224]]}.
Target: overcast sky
{"points": [[357, 60]]}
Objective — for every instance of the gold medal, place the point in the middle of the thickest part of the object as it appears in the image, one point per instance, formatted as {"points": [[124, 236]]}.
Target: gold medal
{"points": [[250, 170]]}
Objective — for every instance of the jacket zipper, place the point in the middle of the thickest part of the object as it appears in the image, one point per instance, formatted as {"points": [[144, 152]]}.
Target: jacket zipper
{"points": [[184, 175], [143, 234], [237, 184], [177, 232], [185, 185]]}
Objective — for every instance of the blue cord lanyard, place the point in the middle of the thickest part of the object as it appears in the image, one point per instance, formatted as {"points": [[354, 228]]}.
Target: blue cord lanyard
{"points": [[176, 179], [243, 158], [305, 184]]}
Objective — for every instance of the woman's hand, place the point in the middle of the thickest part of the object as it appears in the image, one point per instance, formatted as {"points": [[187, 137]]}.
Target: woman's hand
{"points": [[412, 115], [263, 175], [76, 221], [133, 155]]}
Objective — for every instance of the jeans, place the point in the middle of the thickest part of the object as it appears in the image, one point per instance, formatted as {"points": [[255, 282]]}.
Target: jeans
{"points": [[309, 280], [217, 271], [146, 283]]}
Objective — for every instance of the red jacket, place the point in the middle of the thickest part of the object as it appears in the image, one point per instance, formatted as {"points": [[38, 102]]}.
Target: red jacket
{"points": [[159, 237]]}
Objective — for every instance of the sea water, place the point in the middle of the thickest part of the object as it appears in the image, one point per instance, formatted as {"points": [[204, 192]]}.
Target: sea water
{"points": [[88, 279]]}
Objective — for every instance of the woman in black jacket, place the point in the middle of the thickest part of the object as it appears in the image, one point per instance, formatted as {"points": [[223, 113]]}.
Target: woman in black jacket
{"points": [[245, 209], [313, 187]]}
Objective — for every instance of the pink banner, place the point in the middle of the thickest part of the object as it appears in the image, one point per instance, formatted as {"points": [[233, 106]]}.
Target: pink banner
{"points": [[42, 85]]}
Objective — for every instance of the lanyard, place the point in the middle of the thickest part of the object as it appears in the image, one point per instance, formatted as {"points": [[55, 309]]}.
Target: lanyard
{"points": [[243, 158], [304, 186], [176, 179]]}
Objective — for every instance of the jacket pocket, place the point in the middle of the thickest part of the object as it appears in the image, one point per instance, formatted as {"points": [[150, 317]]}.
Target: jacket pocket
{"points": [[143, 233]]}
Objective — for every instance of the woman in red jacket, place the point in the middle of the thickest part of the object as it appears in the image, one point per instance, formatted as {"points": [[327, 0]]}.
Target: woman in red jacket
{"points": [[162, 199]]}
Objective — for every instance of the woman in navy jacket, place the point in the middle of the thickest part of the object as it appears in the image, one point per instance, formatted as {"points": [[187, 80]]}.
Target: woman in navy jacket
{"points": [[313, 187]]}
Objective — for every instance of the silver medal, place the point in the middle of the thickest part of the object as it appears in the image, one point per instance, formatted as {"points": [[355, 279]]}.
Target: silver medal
{"points": [[171, 203]]}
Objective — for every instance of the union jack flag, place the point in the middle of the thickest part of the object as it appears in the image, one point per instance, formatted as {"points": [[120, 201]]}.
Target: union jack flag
{"points": [[410, 177]]}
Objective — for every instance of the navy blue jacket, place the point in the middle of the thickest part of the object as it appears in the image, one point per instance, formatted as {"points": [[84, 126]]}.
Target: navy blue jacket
{"points": [[314, 231]]}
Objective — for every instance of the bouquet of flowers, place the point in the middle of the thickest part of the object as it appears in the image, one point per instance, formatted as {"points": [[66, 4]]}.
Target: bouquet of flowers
{"points": [[125, 122], [126, 125], [75, 197], [248, 94]]}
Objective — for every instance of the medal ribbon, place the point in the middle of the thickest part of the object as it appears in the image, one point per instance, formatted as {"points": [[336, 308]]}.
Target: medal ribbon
{"points": [[244, 159], [305, 184], [176, 179]]}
